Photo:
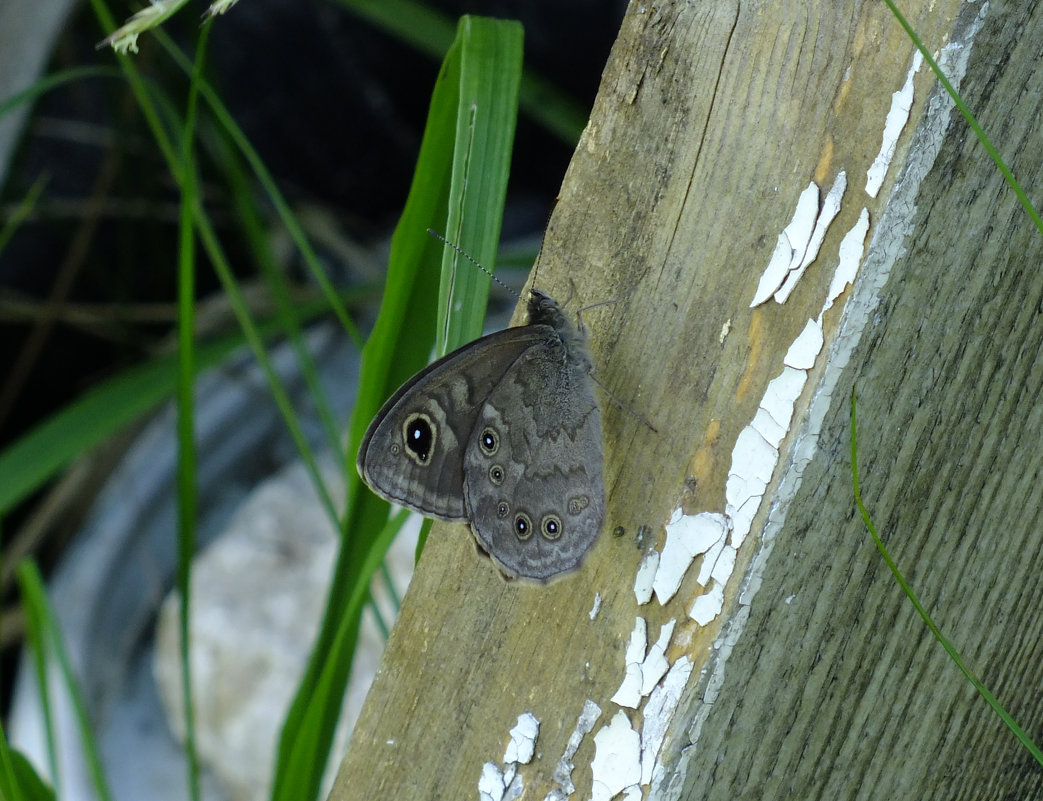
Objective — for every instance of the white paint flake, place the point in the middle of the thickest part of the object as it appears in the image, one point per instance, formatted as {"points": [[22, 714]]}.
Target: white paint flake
{"points": [[687, 536], [629, 692], [852, 247], [707, 607], [562, 774], [655, 665], [805, 348], [617, 759], [643, 671], [658, 712], [646, 574], [523, 740], [596, 607], [753, 460], [829, 211], [791, 246], [491, 785], [502, 783], [897, 117]]}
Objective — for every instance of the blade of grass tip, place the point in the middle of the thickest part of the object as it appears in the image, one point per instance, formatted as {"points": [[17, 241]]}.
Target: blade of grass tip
{"points": [[187, 490], [950, 649], [400, 344], [57, 79], [968, 116], [37, 639], [32, 590], [19, 781], [139, 89], [490, 73], [486, 116], [430, 32], [22, 211]]}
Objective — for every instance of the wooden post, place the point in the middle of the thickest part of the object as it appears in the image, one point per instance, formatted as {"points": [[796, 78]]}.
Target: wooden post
{"points": [[794, 666]]}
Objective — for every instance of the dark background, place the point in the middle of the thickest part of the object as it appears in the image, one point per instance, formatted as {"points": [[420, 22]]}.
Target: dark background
{"points": [[336, 109]]}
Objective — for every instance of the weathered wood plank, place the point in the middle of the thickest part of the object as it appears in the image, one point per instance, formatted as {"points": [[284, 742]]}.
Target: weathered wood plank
{"points": [[816, 679]]}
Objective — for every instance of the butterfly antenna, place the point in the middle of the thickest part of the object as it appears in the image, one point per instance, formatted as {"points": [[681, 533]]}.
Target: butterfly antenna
{"points": [[471, 259]]}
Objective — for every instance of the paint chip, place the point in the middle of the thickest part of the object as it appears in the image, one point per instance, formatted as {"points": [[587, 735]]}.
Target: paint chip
{"points": [[828, 212], [646, 574], [805, 348], [708, 606], [523, 740], [687, 536], [562, 774], [753, 460], [596, 607], [654, 666], [658, 712], [897, 117], [491, 785], [851, 249], [790, 247], [617, 759], [629, 692]]}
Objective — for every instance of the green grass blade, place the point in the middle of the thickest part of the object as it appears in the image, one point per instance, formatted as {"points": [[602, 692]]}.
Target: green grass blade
{"points": [[33, 595], [431, 32], [969, 117], [486, 109], [19, 781], [22, 211], [401, 343], [37, 639], [187, 461], [103, 411], [950, 649], [49, 82]]}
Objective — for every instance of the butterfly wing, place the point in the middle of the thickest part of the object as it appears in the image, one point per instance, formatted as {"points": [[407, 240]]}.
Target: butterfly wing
{"points": [[533, 483], [413, 451]]}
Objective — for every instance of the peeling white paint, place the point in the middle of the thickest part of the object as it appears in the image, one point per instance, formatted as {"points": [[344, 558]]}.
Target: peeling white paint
{"points": [[687, 536], [643, 671], [523, 740], [753, 459], [707, 607], [504, 784], [897, 117], [658, 712], [791, 246], [617, 758], [829, 211], [646, 574], [852, 247], [725, 330], [709, 560], [768, 427], [491, 785], [655, 665], [629, 692], [562, 774], [724, 566], [890, 233], [596, 607], [805, 348]]}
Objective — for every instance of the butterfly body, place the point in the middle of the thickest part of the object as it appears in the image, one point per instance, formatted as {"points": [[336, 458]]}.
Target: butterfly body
{"points": [[504, 432]]}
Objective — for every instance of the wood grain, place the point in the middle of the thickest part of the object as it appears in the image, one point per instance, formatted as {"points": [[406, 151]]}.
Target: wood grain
{"points": [[817, 680]]}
